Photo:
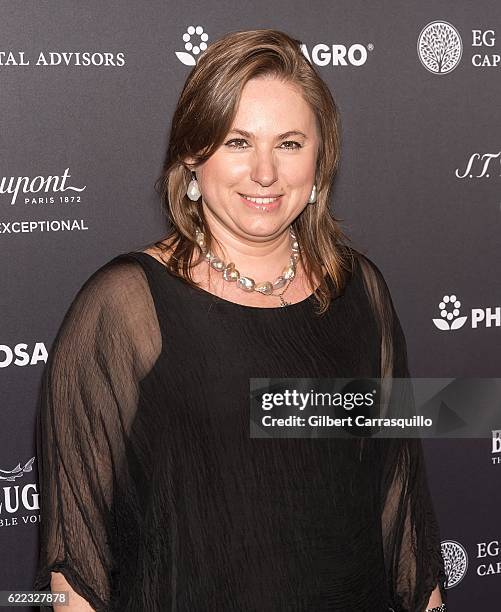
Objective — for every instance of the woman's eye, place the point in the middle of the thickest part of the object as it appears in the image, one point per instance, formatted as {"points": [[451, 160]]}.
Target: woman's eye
{"points": [[235, 140], [292, 142], [236, 143]]}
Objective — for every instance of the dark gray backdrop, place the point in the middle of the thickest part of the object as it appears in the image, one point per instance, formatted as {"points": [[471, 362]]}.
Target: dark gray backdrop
{"points": [[407, 133]]}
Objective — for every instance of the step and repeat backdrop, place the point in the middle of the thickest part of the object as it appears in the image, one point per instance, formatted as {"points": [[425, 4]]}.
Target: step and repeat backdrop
{"points": [[87, 92]]}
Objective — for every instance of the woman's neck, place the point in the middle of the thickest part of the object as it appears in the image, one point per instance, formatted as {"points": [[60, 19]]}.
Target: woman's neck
{"points": [[259, 258]]}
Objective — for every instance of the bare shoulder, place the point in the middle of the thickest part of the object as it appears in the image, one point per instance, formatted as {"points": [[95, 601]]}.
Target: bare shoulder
{"points": [[155, 252], [160, 253]]}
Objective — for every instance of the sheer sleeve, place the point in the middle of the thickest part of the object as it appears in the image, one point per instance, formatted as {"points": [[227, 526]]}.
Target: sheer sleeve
{"points": [[411, 536], [108, 341]]}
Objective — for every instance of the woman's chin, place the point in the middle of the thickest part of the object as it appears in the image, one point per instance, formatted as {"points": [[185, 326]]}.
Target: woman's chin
{"points": [[262, 228]]}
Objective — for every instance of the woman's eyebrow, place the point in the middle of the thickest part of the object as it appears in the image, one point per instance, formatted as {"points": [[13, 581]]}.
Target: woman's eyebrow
{"points": [[279, 137]]}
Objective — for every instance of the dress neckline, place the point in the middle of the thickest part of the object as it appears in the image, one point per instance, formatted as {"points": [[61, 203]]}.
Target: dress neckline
{"points": [[217, 298]]}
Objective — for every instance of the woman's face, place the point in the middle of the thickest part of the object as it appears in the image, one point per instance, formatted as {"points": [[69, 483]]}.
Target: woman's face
{"points": [[271, 151]]}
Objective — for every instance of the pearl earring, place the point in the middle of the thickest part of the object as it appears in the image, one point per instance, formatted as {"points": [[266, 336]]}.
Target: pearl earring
{"points": [[313, 196], [193, 191]]}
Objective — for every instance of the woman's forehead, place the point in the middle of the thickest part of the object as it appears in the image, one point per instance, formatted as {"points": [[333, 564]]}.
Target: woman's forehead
{"points": [[273, 105]]}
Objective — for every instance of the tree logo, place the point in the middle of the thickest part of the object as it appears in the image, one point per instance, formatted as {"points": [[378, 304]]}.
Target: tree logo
{"points": [[439, 47], [455, 562]]}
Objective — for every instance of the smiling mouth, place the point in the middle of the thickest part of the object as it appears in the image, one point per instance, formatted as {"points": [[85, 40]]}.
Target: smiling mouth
{"points": [[261, 200]]}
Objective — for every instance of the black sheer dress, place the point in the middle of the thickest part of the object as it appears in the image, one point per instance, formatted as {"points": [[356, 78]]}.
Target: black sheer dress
{"points": [[154, 497]]}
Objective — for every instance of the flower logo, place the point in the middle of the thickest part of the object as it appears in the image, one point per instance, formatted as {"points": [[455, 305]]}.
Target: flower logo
{"points": [[449, 312], [188, 57]]}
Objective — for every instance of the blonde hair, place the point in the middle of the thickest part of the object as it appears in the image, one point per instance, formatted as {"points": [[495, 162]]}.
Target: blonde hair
{"points": [[202, 119]]}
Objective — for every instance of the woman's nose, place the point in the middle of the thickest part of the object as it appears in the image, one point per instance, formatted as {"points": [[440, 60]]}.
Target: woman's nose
{"points": [[264, 168]]}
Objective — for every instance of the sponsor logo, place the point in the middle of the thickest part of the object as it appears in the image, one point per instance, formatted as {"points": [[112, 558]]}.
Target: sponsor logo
{"points": [[455, 562], [195, 42], [64, 58], [21, 355], [31, 227], [479, 317], [321, 54], [449, 313], [440, 48], [480, 163], [492, 552], [14, 185], [16, 499], [484, 38], [337, 55], [42, 191]]}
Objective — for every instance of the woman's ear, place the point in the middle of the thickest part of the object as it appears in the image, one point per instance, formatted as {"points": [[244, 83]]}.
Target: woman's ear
{"points": [[189, 162]]}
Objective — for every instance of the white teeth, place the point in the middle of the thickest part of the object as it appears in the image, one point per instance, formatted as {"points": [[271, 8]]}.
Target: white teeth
{"points": [[260, 200]]}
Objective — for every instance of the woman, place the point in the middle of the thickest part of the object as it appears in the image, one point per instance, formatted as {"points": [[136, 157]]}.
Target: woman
{"points": [[154, 496]]}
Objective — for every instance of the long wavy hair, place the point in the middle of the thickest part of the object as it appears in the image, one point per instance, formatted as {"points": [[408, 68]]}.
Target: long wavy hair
{"points": [[202, 119]]}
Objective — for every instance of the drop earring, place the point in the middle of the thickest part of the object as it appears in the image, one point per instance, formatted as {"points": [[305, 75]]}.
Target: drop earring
{"points": [[313, 196], [193, 191]]}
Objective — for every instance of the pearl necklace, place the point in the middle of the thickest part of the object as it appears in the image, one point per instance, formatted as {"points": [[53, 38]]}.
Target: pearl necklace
{"points": [[246, 283]]}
